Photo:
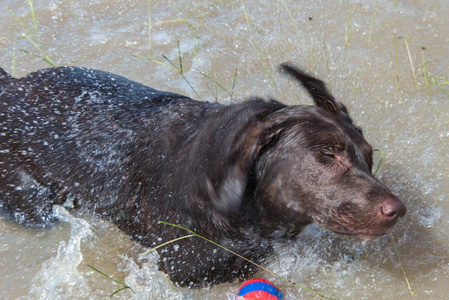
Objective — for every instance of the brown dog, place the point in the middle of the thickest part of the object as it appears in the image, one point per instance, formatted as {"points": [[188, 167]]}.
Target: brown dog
{"points": [[246, 176]]}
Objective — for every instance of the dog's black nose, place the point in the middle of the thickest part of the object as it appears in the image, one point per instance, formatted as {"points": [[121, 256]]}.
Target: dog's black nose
{"points": [[393, 209]]}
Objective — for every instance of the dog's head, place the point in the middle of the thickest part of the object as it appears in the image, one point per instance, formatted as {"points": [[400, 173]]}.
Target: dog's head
{"points": [[319, 168], [310, 164]]}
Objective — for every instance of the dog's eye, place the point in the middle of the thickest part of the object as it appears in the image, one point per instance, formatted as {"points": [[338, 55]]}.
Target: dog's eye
{"points": [[328, 154], [328, 151]]}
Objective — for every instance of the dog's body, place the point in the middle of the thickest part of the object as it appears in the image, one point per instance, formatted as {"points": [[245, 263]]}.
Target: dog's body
{"points": [[246, 175]]}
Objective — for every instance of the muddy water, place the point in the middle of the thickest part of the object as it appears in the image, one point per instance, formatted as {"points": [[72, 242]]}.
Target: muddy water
{"points": [[388, 63]]}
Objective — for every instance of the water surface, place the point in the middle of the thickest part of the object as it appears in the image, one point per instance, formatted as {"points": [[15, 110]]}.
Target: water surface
{"points": [[387, 62]]}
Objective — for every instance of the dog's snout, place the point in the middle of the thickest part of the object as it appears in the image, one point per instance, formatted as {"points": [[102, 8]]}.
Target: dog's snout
{"points": [[393, 209]]}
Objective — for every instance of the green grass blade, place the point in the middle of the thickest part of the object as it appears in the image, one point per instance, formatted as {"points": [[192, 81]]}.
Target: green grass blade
{"points": [[212, 92], [233, 83], [191, 86], [173, 67], [402, 267], [76, 19], [23, 25], [121, 289], [279, 18], [217, 83], [184, 18], [438, 84], [166, 243], [44, 56], [380, 161], [125, 286], [33, 35], [180, 59], [33, 19], [160, 63], [171, 63]]}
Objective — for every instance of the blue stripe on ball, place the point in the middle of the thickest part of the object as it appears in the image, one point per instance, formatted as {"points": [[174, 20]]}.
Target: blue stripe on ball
{"points": [[259, 286]]}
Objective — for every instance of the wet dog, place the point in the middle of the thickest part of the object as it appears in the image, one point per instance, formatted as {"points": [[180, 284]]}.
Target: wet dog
{"points": [[247, 175]]}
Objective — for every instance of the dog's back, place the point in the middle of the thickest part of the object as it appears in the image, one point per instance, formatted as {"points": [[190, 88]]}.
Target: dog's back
{"points": [[63, 127]]}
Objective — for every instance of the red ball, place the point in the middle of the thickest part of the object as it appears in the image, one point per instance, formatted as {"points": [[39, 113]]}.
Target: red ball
{"points": [[258, 289]]}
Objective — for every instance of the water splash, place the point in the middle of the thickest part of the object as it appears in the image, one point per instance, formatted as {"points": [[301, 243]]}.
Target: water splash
{"points": [[58, 277]]}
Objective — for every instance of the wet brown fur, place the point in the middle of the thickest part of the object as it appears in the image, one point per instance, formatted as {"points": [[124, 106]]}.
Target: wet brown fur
{"points": [[247, 175]]}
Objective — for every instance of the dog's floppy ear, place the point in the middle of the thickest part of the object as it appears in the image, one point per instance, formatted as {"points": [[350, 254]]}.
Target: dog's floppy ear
{"points": [[232, 157], [317, 90]]}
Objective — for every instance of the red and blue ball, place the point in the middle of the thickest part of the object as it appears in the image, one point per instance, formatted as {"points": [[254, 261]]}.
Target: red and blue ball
{"points": [[258, 289]]}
